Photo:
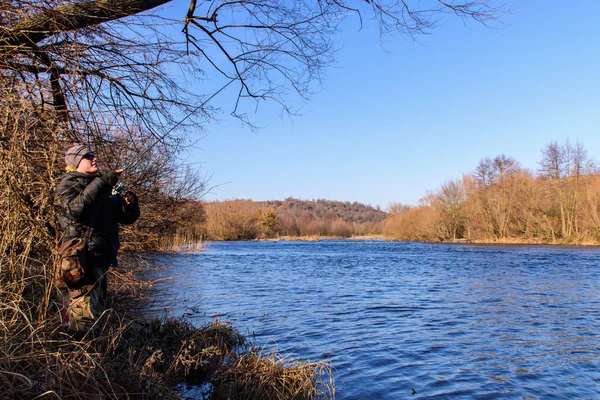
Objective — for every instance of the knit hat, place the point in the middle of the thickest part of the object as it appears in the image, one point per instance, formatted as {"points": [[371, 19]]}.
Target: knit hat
{"points": [[74, 154]]}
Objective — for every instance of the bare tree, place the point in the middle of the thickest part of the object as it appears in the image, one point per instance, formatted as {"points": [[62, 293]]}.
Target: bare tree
{"points": [[104, 63], [448, 201], [553, 164], [497, 184], [565, 165], [581, 163], [492, 171], [398, 208]]}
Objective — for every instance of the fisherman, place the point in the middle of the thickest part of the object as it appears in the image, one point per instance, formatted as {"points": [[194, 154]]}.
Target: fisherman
{"points": [[85, 199]]}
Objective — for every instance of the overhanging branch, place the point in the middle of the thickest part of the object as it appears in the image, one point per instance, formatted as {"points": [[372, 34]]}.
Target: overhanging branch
{"points": [[72, 17]]}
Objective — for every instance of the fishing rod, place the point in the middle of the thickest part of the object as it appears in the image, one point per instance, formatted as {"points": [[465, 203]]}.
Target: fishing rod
{"points": [[162, 137]]}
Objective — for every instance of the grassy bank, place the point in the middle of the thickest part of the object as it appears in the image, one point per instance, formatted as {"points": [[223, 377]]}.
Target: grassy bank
{"points": [[518, 241], [505, 241], [492, 241], [316, 238], [131, 358]]}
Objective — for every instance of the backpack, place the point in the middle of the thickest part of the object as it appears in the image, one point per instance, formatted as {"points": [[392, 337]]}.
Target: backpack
{"points": [[71, 264], [72, 259]]}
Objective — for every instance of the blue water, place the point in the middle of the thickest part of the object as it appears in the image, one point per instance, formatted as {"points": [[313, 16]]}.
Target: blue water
{"points": [[449, 321]]}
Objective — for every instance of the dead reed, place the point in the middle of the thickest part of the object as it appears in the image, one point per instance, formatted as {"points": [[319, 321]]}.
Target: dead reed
{"points": [[181, 242], [131, 359], [126, 361], [256, 375]]}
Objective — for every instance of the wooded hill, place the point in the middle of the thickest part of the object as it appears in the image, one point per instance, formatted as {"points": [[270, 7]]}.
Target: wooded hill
{"points": [[246, 219], [321, 209]]}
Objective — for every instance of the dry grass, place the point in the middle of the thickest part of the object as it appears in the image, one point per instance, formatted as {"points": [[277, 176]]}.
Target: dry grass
{"points": [[182, 242], [255, 375], [535, 241], [126, 360], [316, 238], [368, 237], [129, 359], [308, 238]]}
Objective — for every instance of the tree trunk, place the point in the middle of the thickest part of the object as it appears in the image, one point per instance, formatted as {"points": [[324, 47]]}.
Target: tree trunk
{"points": [[72, 17]]}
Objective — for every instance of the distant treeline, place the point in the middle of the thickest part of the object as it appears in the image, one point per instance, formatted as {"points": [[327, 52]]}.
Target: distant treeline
{"points": [[500, 200], [246, 219]]}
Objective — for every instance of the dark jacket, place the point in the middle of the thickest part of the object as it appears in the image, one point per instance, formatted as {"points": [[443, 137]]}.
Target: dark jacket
{"points": [[78, 195]]}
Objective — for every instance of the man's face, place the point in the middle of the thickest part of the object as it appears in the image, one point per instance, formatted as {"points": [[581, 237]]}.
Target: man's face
{"points": [[88, 165]]}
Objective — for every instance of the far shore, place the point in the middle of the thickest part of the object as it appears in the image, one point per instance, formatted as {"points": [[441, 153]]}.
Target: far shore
{"points": [[316, 238], [518, 241], [505, 241]]}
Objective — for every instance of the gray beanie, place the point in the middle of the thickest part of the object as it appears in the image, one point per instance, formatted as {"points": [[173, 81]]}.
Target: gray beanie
{"points": [[74, 155]]}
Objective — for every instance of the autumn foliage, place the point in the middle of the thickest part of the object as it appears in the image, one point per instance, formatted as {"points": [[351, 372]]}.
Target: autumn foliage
{"points": [[501, 201]]}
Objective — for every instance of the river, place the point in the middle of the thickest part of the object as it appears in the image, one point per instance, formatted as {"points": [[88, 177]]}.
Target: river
{"points": [[449, 321]]}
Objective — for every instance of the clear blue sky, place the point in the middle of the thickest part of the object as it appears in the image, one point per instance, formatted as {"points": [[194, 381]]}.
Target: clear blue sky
{"points": [[389, 126]]}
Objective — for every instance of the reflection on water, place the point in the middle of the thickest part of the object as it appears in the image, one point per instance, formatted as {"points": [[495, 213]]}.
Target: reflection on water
{"points": [[450, 321]]}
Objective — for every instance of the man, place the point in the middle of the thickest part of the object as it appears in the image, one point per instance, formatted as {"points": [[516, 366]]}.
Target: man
{"points": [[84, 198]]}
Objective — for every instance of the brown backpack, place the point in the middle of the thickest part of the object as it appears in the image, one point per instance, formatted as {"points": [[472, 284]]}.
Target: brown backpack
{"points": [[72, 260]]}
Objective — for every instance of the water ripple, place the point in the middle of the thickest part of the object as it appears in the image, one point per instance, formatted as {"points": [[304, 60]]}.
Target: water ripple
{"points": [[446, 321]]}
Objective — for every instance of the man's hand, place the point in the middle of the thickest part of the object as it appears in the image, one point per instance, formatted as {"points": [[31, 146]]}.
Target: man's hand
{"points": [[112, 177], [130, 198]]}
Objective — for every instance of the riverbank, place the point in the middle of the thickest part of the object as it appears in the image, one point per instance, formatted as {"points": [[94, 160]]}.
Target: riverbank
{"points": [[518, 241], [504, 241], [130, 356], [316, 238]]}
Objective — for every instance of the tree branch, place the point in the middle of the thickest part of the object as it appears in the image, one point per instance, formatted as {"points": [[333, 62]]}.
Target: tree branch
{"points": [[72, 17]]}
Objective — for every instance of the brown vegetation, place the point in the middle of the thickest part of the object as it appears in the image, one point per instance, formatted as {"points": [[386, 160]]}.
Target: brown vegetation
{"points": [[132, 360], [256, 375], [124, 360], [502, 202], [246, 219]]}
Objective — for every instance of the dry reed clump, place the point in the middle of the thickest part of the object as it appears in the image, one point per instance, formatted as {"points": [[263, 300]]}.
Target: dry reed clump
{"points": [[175, 348], [185, 242], [126, 361], [255, 375], [146, 361]]}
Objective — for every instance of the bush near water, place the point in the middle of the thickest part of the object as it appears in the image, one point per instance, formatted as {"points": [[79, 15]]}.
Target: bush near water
{"points": [[502, 202]]}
